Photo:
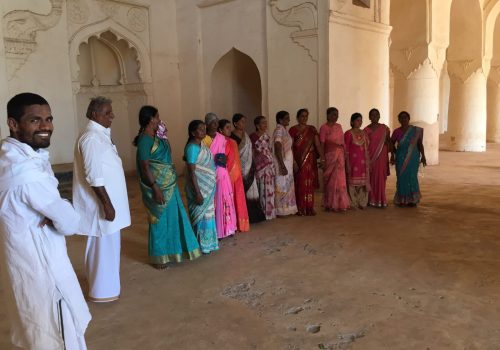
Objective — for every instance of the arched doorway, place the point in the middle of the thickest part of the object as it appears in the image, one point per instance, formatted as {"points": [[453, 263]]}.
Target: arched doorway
{"points": [[108, 66], [236, 87]]}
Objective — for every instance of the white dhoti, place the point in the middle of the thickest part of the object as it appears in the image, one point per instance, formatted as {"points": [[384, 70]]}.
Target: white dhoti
{"points": [[102, 267], [72, 341]]}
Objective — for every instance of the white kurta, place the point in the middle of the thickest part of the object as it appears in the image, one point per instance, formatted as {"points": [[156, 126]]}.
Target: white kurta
{"points": [[37, 274], [97, 164]]}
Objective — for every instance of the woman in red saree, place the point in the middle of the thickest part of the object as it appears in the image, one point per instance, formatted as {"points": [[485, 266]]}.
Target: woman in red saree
{"points": [[358, 164], [234, 168], [380, 143], [331, 136], [306, 147]]}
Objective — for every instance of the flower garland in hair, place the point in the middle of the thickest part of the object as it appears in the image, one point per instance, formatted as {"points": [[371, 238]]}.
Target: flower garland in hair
{"points": [[162, 130]]}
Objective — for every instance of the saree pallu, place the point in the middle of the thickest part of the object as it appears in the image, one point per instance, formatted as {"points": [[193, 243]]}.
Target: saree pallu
{"points": [[202, 216], [379, 164], [335, 195], [284, 187], [407, 164], [225, 213], [255, 211], [234, 168], [358, 172], [306, 177], [171, 237], [264, 173]]}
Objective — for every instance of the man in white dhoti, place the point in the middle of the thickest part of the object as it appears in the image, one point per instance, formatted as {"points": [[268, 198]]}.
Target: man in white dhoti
{"points": [[100, 197], [44, 301]]}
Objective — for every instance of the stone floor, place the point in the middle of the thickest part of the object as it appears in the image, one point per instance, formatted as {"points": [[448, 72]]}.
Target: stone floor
{"points": [[399, 278]]}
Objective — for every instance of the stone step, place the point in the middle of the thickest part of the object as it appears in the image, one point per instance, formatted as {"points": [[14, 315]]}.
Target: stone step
{"points": [[64, 174]]}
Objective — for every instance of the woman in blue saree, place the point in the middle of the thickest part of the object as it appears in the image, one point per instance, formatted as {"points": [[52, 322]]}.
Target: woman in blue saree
{"points": [[408, 154], [200, 187], [171, 237]]}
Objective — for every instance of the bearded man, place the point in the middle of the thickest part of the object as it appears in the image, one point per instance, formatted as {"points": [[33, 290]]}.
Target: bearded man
{"points": [[42, 295]]}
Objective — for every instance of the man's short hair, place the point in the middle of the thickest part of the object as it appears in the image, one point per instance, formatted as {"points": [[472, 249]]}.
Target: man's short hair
{"points": [[96, 104], [18, 103]]}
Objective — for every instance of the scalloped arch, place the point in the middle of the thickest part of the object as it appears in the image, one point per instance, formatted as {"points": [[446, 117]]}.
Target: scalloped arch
{"points": [[95, 29]]}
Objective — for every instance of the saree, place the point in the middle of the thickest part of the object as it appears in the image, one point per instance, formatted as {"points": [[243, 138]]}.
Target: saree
{"points": [[379, 164], [202, 215], [264, 173], [407, 164], [306, 176], [335, 195], [171, 237], [284, 188], [234, 168], [225, 213], [358, 167], [255, 211]]}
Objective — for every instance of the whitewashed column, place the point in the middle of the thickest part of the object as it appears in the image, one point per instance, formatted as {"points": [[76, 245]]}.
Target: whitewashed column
{"points": [[416, 90], [467, 110]]}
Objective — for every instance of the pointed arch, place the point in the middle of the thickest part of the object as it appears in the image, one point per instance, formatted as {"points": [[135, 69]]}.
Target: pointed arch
{"points": [[491, 14], [122, 33], [236, 85]]}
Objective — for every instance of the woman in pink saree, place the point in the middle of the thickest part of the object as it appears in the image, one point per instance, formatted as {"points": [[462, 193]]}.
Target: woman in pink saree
{"points": [[331, 136], [380, 142], [234, 169], [358, 164], [225, 213]]}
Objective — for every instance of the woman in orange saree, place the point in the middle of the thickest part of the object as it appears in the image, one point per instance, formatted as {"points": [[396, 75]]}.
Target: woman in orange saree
{"points": [[234, 168], [378, 150], [306, 148], [331, 136]]}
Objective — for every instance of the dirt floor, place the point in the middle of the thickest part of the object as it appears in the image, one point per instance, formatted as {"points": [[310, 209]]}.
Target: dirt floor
{"points": [[400, 278]]}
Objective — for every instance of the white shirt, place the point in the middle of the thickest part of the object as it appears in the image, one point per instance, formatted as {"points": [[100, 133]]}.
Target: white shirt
{"points": [[36, 270], [97, 164]]}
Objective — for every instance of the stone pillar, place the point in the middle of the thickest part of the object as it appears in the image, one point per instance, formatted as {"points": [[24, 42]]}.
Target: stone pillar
{"points": [[417, 75], [467, 111], [493, 105]]}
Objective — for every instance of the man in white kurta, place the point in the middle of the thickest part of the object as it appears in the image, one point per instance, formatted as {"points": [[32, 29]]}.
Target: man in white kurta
{"points": [[100, 197], [44, 302]]}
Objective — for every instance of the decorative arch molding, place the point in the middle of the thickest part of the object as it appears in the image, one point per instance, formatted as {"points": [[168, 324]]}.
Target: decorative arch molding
{"points": [[121, 33], [20, 28], [303, 16]]}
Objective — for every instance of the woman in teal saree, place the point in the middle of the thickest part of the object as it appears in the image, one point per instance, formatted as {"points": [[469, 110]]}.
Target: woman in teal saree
{"points": [[200, 186], [409, 153], [171, 237]]}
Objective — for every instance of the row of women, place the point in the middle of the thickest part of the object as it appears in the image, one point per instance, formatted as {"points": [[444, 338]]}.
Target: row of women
{"points": [[234, 179]]}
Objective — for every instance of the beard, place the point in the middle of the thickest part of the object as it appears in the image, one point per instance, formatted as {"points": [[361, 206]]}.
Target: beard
{"points": [[38, 139]]}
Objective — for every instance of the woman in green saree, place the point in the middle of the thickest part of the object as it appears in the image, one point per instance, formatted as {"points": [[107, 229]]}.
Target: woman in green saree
{"points": [[171, 237]]}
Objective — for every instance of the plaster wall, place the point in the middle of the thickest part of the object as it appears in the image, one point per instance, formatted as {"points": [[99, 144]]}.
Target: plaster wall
{"points": [[4, 132], [51, 54], [292, 71], [206, 34], [359, 73]]}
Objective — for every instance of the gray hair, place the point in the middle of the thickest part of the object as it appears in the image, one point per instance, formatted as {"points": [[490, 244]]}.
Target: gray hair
{"points": [[210, 117], [96, 103]]}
